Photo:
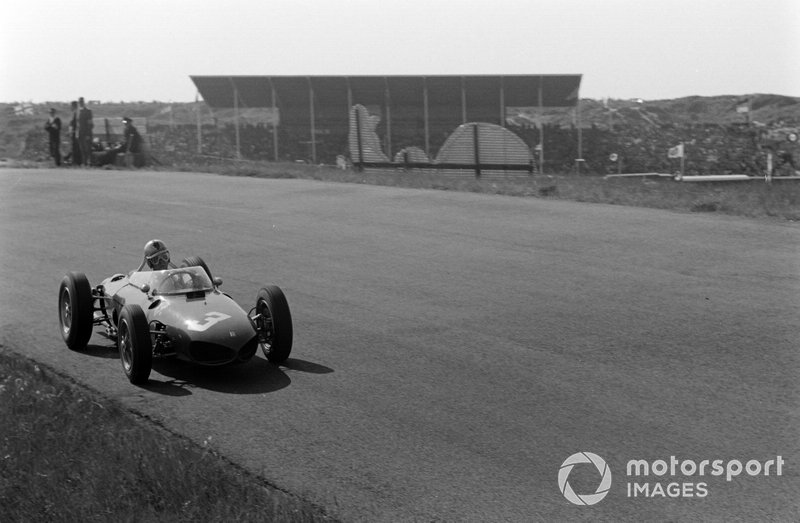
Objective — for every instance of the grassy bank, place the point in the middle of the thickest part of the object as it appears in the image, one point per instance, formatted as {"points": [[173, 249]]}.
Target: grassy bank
{"points": [[780, 199], [755, 198], [67, 454]]}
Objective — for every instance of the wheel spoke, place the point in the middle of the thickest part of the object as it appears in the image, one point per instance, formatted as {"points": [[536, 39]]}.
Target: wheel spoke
{"points": [[125, 346], [265, 325], [66, 312]]}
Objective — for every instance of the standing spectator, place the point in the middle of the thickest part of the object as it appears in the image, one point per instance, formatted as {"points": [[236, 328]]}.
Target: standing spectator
{"points": [[85, 128], [77, 159], [53, 128]]}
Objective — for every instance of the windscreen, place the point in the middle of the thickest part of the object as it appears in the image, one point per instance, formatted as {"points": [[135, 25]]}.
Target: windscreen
{"points": [[181, 281]]}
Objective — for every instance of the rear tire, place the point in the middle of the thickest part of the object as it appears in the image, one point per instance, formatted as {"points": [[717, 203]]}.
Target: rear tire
{"points": [[75, 310], [134, 344], [197, 261], [275, 324]]}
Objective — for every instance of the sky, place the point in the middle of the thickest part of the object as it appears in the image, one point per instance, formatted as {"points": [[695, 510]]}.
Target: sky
{"points": [[146, 50]]}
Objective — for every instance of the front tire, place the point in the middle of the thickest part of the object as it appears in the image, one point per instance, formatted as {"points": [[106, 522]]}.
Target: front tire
{"points": [[274, 324], [134, 344], [75, 312]]}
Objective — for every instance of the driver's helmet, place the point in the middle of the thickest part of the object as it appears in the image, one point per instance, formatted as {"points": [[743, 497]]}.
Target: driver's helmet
{"points": [[156, 255]]}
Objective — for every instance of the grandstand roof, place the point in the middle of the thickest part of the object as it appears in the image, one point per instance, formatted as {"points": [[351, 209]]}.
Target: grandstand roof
{"points": [[517, 90]]}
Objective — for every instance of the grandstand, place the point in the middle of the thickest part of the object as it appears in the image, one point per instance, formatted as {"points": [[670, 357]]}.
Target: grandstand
{"points": [[414, 111]]}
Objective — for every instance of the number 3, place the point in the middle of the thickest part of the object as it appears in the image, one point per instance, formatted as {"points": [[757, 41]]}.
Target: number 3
{"points": [[212, 318]]}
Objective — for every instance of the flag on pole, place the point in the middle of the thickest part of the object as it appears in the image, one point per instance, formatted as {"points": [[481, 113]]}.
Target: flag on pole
{"points": [[675, 152]]}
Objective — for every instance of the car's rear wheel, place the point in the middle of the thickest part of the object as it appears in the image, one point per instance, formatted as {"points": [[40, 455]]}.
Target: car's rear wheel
{"points": [[134, 344], [75, 310], [196, 261], [274, 324]]}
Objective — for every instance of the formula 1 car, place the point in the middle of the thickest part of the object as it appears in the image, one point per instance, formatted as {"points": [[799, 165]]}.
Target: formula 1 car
{"points": [[179, 313]]}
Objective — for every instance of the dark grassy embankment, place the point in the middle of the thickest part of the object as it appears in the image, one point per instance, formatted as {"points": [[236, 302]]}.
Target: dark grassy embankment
{"points": [[67, 454]]}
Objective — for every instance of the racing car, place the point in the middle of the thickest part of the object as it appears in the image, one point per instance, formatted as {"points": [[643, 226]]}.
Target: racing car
{"points": [[179, 313]]}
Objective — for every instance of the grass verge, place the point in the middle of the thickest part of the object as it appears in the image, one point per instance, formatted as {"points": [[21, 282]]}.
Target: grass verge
{"points": [[756, 199], [67, 454]]}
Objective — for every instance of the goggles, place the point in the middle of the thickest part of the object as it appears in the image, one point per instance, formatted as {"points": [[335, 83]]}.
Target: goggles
{"points": [[158, 258]]}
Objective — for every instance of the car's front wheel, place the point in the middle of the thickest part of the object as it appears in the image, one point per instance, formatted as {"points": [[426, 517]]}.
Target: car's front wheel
{"points": [[75, 310], [134, 344], [274, 324]]}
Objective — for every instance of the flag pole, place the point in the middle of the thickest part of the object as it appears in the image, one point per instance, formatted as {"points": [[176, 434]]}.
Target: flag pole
{"points": [[683, 159]]}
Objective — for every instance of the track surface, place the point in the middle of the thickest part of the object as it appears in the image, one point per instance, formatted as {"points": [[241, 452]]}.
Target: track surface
{"points": [[451, 349]]}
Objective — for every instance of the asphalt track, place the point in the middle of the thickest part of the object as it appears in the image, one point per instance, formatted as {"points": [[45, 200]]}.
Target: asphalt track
{"points": [[451, 349]]}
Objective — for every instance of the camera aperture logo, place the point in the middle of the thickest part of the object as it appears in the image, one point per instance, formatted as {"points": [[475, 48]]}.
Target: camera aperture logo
{"points": [[663, 478], [584, 499]]}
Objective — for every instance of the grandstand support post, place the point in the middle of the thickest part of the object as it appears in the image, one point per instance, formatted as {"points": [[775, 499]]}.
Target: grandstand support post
{"points": [[476, 143], [463, 101], [387, 101], [199, 124], [541, 130], [425, 116], [313, 123], [349, 110], [236, 120], [358, 140], [502, 103], [275, 121], [578, 126]]}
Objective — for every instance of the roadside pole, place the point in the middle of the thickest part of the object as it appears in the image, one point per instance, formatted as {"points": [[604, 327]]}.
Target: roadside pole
{"points": [[768, 177]]}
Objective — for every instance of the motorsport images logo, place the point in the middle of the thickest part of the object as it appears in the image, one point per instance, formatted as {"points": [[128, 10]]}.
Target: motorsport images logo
{"points": [[602, 488], [672, 478]]}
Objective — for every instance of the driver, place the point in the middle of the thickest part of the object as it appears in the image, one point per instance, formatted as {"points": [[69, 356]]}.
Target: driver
{"points": [[156, 257]]}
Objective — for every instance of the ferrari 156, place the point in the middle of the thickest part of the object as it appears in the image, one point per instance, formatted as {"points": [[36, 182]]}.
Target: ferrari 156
{"points": [[177, 312]]}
